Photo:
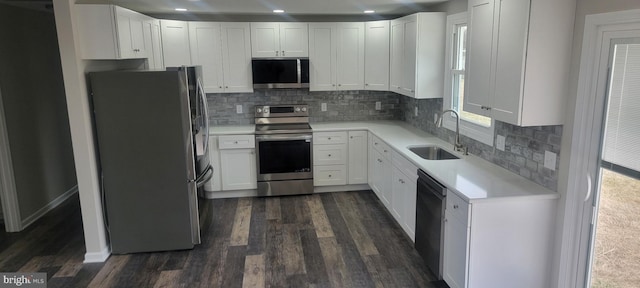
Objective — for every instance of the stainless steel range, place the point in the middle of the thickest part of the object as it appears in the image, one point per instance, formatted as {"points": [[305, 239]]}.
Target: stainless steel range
{"points": [[284, 150]]}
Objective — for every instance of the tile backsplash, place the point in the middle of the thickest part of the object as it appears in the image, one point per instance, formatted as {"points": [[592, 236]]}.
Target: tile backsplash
{"points": [[524, 146], [341, 105]]}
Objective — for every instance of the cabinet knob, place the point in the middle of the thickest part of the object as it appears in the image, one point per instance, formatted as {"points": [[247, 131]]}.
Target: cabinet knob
{"points": [[366, 84], [329, 175], [375, 143], [226, 87], [351, 137], [235, 142], [282, 52], [339, 84], [328, 138], [277, 53], [455, 206], [329, 155], [385, 150], [334, 85]]}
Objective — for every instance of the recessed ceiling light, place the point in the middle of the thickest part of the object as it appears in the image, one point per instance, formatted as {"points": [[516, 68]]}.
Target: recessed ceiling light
{"points": [[278, 11], [369, 11], [181, 9]]}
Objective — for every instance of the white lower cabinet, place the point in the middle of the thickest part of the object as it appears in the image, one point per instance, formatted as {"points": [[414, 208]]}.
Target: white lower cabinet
{"points": [[498, 243], [380, 176], [358, 157], [330, 158], [234, 163]]}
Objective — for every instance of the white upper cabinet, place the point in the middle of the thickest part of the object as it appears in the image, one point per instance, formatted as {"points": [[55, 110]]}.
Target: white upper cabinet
{"points": [[236, 57], [376, 55], [206, 50], [273, 39], [518, 60], [223, 50], [175, 43], [416, 55], [154, 43], [336, 56], [111, 32]]}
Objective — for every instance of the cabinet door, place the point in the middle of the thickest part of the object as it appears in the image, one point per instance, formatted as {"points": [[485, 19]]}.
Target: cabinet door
{"points": [[125, 41], [238, 169], [350, 56], [175, 43], [322, 55], [265, 39], [215, 184], [479, 53], [375, 166], [154, 43], [358, 156], [140, 48], [396, 55], [376, 56], [511, 46], [398, 189], [409, 207], [236, 57], [455, 252], [409, 57], [294, 40], [206, 50]]}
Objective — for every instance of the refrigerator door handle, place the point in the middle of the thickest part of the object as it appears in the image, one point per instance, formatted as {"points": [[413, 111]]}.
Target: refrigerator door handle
{"points": [[205, 105], [205, 177]]}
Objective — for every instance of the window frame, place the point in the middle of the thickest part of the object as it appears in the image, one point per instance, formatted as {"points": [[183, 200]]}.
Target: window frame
{"points": [[468, 128]]}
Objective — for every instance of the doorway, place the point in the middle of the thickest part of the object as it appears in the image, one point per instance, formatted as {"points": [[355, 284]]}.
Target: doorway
{"points": [[590, 159], [615, 243]]}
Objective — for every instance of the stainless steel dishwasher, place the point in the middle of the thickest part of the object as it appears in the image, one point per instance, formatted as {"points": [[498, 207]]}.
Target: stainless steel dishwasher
{"points": [[429, 221]]}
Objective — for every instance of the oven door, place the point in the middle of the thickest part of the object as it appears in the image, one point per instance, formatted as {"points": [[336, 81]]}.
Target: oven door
{"points": [[284, 156]]}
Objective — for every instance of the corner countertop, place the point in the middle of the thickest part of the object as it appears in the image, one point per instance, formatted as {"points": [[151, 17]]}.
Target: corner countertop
{"points": [[471, 177]]}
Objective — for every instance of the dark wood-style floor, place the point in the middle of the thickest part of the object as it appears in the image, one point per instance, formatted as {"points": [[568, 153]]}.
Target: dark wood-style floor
{"points": [[322, 240]]}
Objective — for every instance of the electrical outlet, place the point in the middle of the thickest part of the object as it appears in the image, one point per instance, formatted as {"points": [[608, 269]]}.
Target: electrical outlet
{"points": [[239, 109], [500, 142], [323, 107], [415, 111], [435, 117], [378, 105], [550, 160]]}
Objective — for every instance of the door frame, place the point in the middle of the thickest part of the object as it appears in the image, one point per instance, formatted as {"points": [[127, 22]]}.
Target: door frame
{"points": [[8, 191], [579, 211]]}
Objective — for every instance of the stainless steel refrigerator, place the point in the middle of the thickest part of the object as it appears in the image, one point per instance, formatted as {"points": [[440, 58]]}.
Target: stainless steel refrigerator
{"points": [[152, 131]]}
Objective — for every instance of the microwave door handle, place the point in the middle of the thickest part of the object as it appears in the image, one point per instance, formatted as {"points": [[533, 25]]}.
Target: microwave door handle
{"points": [[205, 105], [299, 70]]}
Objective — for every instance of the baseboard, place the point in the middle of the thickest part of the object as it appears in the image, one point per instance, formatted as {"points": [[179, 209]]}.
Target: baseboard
{"points": [[228, 194], [97, 257], [254, 193], [53, 204], [340, 188]]}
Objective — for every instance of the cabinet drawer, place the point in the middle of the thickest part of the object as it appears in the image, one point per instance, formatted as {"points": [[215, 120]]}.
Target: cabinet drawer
{"points": [[329, 175], [404, 165], [330, 137], [379, 145], [236, 141], [457, 207], [330, 154]]}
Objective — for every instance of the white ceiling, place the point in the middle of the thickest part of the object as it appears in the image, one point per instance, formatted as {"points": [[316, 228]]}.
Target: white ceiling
{"points": [[265, 7]]}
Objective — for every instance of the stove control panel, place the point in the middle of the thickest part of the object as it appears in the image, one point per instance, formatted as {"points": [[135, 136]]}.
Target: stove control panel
{"points": [[273, 111]]}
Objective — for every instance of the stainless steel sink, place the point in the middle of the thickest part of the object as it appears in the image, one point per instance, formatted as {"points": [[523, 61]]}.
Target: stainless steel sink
{"points": [[431, 152]]}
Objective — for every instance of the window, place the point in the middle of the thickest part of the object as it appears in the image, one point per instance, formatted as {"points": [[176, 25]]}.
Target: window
{"points": [[476, 126]]}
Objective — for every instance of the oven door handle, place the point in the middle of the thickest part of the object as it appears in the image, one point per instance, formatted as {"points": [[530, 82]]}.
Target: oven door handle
{"points": [[283, 137]]}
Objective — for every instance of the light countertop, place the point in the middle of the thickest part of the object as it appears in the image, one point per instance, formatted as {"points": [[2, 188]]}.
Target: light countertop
{"points": [[471, 177]]}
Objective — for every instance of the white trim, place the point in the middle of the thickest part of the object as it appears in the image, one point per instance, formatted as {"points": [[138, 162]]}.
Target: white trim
{"points": [[572, 251], [8, 191], [53, 204], [474, 131], [97, 257]]}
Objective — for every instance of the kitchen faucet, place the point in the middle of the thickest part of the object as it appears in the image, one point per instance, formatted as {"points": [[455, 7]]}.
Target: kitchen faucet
{"points": [[458, 146]]}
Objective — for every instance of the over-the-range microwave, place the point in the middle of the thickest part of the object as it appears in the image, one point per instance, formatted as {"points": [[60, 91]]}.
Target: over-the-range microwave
{"points": [[280, 73]]}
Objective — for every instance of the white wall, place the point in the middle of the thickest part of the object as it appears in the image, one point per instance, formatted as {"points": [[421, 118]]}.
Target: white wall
{"points": [[583, 8], [34, 108]]}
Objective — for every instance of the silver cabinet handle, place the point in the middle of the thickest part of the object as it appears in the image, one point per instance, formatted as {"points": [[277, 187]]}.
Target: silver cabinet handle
{"points": [[277, 53], [385, 150], [282, 52], [455, 206], [329, 175], [235, 142], [329, 155], [328, 138]]}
